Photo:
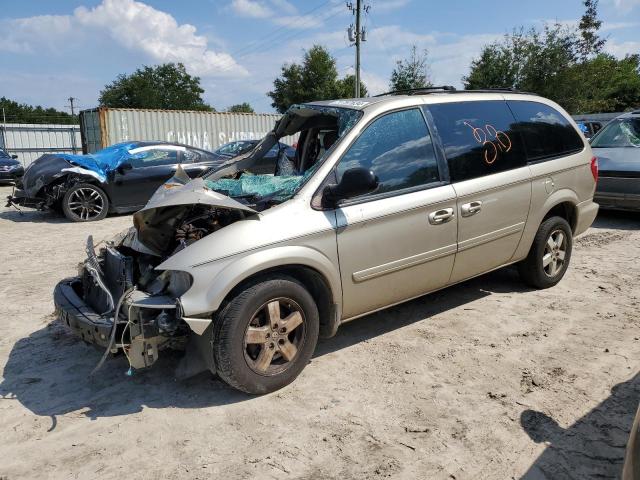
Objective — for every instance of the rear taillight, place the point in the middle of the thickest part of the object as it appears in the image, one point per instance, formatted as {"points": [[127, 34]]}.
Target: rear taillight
{"points": [[594, 168]]}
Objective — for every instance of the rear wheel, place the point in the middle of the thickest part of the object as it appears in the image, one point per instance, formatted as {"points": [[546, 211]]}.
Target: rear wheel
{"points": [[85, 202], [549, 256], [265, 335]]}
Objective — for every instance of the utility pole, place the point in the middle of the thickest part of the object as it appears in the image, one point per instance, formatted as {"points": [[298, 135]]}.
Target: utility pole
{"points": [[358, 8], [71, 99], [357, 36]]}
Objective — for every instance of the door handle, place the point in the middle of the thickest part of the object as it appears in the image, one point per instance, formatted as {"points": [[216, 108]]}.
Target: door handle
{"points": [[469, 209], [441, 216]]}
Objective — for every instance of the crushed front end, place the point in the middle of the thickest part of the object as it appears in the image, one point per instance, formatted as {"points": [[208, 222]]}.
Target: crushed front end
{"points": [[118, 302], [121, 302]]}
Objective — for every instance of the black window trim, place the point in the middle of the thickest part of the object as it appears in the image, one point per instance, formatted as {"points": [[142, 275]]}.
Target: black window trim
{"points": [[404, 191], [545, 158]]}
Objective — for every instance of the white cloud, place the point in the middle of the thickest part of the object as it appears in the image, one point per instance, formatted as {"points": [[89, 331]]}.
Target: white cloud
{"points": [[285, 7], [20, 35], [625, 6], [622, 49], [283, 13], [299, 21], [375, 83], [251, 8], [389, 5], [134, 25]]}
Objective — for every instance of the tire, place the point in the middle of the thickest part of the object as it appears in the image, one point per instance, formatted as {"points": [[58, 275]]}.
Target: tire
{"points": [[85, 202], [246, 320], [545, 265]]}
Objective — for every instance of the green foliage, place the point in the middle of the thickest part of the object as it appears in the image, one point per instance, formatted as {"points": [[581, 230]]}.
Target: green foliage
{"points": [[315, 79], [601, 84], [590, 43], [346, 87], [411, 72], [563, 64], [16, 112], [241, 108], [166, 86]]}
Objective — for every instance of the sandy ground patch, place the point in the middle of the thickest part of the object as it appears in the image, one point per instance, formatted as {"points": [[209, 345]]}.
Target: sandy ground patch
{"points": [[487, 379]]}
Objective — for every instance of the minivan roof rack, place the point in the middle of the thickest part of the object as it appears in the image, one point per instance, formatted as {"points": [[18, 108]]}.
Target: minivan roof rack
{"points": [[450, 89], [413, 91]]}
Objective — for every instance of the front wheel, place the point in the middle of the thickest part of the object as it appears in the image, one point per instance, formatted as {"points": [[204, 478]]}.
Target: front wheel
{"points": [[265, 335], [85, 202], [549, 256]]}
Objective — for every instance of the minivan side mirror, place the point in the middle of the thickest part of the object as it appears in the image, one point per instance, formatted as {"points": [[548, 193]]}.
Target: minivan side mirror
{"points": [[354, 182], [124, 167]]}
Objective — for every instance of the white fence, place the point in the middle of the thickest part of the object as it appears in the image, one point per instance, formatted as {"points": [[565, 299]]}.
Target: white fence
{"points": [[31, 140]]}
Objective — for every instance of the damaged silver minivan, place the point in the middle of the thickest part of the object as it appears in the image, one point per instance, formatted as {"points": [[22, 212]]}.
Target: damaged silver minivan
{"points": [[387, 199]]}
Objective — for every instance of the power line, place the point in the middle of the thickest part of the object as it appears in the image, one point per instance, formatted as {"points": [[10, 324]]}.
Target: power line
{"points": [[272, 38]]}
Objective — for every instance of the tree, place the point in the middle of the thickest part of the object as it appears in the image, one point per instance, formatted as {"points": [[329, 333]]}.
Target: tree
{"points": [[601, 84], [590, 43], [240, 108], [525, 60], [556, 63], [15, 112], [411, 72], [167, 86], [315, 79], [347, 87]]}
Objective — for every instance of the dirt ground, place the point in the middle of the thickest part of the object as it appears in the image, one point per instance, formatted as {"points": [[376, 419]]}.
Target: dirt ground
{"points": [[487, 379]]}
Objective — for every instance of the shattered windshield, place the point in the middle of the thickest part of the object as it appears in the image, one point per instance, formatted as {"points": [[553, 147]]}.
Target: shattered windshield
{"points": [[318, 127], [236, 148], [619, 133]]}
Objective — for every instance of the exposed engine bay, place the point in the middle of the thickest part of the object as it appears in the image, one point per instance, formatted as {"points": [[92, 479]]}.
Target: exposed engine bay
{"points": [[135, 308]]}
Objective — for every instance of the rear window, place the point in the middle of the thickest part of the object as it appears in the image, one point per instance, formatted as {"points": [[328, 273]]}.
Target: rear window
{"points": [[546, 132], [478, 138]]}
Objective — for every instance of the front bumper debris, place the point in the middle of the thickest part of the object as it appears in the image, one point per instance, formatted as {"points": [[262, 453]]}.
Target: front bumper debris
{"points": [[80, 317], [137, 331]]}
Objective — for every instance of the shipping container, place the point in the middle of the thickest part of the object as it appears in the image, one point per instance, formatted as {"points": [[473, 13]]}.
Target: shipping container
{"points": [[101, 127], [31, 140]]}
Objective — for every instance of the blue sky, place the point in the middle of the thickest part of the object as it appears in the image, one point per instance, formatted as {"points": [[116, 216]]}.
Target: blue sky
{"points": [[51, 50]]}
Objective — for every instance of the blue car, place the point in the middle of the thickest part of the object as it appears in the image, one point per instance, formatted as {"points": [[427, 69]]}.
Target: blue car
{"points": [[268, 162]]}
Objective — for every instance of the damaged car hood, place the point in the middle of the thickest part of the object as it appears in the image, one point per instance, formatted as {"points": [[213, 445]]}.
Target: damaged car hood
{"points": [[157, 221], [47, 168]]}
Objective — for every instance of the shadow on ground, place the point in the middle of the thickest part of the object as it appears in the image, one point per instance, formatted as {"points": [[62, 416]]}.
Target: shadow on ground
{"points": [[618, 220], [28, 215], [48, 371], [593, 447]]}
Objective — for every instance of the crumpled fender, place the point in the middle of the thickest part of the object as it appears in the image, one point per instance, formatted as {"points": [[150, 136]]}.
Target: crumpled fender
{"points": [[213, 281]]}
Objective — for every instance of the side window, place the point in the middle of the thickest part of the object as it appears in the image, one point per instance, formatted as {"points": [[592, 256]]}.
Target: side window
{"points": [[546, 132], [191, 156], [154, 157], [478, 138], [397, 147]]}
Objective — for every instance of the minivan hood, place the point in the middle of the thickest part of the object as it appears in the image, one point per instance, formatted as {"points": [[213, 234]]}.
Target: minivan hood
{"points": [[157, 222]]}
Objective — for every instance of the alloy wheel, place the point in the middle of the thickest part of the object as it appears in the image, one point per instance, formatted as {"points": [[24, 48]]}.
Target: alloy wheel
{"points": [[86, 203], [555, 251], [274, 336]]}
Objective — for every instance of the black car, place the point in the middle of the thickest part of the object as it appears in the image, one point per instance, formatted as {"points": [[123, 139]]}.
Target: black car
{"points": [[120, 178], [10, 168], [268, 163]]}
